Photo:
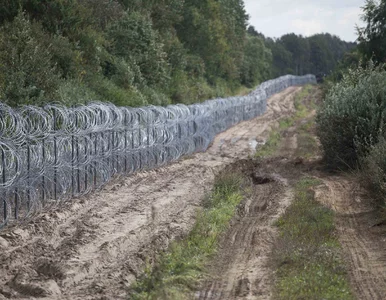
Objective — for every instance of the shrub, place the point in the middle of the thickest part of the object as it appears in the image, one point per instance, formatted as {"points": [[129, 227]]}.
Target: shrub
{"points": [[110, 92], [28, 74], [352, 116], [374, 170], [72, 92], [134, 39]]}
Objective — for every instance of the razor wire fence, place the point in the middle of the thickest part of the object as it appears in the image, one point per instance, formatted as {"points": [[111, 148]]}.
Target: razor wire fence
{"points": [[51, 154]]}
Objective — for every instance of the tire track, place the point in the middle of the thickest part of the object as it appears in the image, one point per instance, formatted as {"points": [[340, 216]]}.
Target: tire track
{"points": [[247, 247], [95, 246], [363, 244]]}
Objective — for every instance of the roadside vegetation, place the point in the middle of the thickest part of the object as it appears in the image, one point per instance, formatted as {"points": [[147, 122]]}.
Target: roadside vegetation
{"points": [[351, 126], [135, 53], [351, 119], [180, 269], [301, 111], [307, 253], [306, 256]]}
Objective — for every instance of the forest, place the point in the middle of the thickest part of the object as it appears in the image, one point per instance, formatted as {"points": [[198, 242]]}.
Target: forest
{"points": [[143, 52]]}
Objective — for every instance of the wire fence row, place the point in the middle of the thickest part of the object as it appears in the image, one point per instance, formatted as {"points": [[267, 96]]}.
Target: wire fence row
{"points": [[51, 154]]}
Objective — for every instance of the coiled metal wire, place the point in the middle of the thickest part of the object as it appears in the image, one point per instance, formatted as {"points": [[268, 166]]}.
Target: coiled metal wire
{"points": [[50, 154]]}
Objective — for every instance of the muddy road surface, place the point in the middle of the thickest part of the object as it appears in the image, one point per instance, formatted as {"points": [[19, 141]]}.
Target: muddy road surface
{"points": [[96, 246], [242, 268], [362, 237]]}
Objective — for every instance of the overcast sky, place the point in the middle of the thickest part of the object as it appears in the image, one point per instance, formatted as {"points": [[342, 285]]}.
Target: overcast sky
{"points": [[277, 17]]}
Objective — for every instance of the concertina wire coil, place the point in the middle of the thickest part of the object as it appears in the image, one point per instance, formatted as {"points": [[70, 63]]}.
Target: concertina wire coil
{"points": [[51, 154]]}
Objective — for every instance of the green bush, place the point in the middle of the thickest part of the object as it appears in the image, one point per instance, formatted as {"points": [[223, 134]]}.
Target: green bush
{"points": [[72, 92], [352, 116], [28, 74], [133, 39], [110, 92], [374, 170]]}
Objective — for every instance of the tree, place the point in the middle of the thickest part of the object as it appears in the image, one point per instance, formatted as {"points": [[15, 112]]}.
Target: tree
{"points": [[372, 37], [257, 62], [27, 71]]}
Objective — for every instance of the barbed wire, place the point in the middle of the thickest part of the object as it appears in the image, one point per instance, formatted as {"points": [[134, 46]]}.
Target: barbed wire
{"points": [[50, 154]]}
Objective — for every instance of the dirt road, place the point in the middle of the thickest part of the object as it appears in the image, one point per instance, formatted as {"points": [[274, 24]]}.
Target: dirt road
{"points": [[94, 247], [242, 268], [362, 238]]}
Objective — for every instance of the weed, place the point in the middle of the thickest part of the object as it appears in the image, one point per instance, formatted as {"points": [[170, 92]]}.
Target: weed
{"points": [[302, 109], [307, 146], [286, 123], [307, 253], [269, 148], [181, 268]]}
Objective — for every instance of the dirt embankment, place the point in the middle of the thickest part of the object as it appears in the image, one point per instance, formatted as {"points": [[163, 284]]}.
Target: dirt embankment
{"points": [[94, 247]]}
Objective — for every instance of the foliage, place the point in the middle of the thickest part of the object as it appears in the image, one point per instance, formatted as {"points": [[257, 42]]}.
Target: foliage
{"points": [[257, 62], [144, 52], [299, 55], [27, 71], [134, 39], [127, 52], [372, 37], [352, 115], [374, 170]]}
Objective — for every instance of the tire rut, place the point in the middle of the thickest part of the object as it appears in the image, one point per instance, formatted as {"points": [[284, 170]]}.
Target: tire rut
{"points": [[95, 247], [363, 244], [244, 254]]}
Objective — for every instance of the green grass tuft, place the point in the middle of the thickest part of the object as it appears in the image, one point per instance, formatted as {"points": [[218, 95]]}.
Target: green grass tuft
{"points": [[179, 270], [307, 253], [269, 148]]}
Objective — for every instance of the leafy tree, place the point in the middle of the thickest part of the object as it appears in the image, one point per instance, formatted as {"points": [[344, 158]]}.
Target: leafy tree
{"points": [[133, 39], [372, 37], [27, 71], [257, 62]]}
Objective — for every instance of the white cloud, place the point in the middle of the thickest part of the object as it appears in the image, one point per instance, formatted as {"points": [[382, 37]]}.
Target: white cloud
{"points": [[277, 17], [350, 16], [307, 27]]}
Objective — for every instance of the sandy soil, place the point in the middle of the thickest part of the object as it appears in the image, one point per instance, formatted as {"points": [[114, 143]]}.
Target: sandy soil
{"points": [[362, 238], [242, 268], [94, 247]]}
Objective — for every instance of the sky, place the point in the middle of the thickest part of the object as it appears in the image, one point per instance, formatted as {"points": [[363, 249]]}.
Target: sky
{"points": [[274, 18]]}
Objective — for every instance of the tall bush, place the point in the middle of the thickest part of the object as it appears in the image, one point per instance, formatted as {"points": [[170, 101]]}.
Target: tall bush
{"points": [[352, 117], [27, 71]]}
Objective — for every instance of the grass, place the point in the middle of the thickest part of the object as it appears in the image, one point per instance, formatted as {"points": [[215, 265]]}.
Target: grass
{"points": [[286, 123], [307, 145], [307, 253], [242, 91], [269, 148], [274, 139], [179, 270], [301, 108]]}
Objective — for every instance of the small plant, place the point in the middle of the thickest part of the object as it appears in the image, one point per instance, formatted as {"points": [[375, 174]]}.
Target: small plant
{"points": [[306, 254], [181, 268], [270, 146]]}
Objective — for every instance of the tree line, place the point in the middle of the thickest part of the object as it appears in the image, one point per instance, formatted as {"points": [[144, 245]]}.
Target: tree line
{"points": [[298, 55], [140, 52]]}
